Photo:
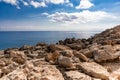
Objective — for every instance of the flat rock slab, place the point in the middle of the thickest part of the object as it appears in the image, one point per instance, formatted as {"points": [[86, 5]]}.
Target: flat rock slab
{"points": [[76, 75], [95, 70]]}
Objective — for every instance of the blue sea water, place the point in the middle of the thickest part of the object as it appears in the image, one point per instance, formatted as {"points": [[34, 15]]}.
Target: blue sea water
{"points": [[10, 39]]}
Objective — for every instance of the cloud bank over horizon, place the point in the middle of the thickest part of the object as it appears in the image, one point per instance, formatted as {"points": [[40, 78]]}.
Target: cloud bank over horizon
{"points": [[58, 14]]}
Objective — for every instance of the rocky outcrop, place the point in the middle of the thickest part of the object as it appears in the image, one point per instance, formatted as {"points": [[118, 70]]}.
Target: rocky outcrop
{"points": [[108, 37], [96, 58]]}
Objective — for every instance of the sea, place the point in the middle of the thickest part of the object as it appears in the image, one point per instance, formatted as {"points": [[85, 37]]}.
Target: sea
{"points": [[14, 39]]}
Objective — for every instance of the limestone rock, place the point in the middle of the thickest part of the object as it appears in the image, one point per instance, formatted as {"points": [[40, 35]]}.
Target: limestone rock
{"points": [[52, 56], [18, 74], [95, 70], [75, 75], [7, 69], [62, 47], [87, 52], [106, 53], [67, 53], [34, 70], [76, 46], [108, 37], [69, 59], [81, 56], [2, 63], [18, 56], [65, 62], [96, 79], [75, 60]]}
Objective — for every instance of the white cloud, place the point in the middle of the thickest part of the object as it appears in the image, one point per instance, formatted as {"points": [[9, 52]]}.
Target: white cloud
{"points": [[13, 2], [25, 3], [70, 4], [45, 14], [65, 2], [57, 1], [79, 17], [84, 4], [37, 4]]}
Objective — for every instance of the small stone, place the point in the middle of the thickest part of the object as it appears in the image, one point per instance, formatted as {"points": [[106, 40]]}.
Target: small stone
{"points": [[105, 55]]}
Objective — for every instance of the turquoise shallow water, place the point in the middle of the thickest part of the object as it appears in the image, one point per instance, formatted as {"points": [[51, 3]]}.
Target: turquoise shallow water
{"points": [[10, 39]]}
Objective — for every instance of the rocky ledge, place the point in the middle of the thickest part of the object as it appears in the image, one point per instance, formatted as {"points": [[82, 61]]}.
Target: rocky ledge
{"points": [[96, 58]]}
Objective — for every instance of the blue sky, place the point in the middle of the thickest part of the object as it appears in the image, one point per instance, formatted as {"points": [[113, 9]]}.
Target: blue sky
{"points": [[58, 15]]}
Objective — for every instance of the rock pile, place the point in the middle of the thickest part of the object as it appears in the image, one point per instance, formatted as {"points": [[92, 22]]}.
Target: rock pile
{"points": [[96, 58]]}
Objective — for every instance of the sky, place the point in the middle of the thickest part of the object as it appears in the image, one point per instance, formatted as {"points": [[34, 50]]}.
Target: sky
{"points": [[58, 15]]}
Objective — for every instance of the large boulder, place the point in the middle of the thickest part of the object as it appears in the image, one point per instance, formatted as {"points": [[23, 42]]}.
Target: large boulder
{"points": [[95, 70], [76, 75], [105, 53]]}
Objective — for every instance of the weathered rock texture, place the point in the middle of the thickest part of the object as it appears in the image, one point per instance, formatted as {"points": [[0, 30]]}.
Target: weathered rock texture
{"points": [[96, 58]]}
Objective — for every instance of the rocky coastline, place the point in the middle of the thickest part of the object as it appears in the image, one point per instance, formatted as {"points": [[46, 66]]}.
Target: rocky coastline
{"points": [[95, 58]]}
